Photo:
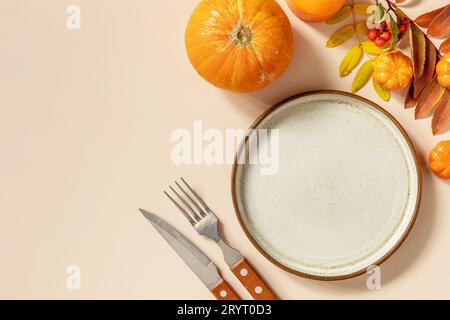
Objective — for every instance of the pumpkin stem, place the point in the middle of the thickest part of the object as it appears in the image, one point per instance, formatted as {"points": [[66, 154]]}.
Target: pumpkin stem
{"points": [[241, 36]]}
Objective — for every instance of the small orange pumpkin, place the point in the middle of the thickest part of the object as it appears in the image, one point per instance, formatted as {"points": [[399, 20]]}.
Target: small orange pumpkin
{"points": [[239, 45], [443, 71], [440, 160], [392, 70]]}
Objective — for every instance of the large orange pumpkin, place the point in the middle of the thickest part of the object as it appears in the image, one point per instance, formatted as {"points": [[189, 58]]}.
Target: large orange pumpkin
{"points": [[315, 10], [239, 45]]}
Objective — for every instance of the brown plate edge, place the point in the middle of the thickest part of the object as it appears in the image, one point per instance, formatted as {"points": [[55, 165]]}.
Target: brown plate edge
{"points": [[399, 242]]}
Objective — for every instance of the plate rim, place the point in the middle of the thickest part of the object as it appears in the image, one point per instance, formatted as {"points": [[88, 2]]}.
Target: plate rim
{"points": [[392, 250]]}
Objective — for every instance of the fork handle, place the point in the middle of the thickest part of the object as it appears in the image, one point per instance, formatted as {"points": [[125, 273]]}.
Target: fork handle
{"points": [[252, 281], [223, 291]]}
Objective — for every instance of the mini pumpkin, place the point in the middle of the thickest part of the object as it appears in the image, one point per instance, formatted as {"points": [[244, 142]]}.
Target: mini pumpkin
{"points": [[443, 71], [440, 160], [392, 70], [239, 45]]}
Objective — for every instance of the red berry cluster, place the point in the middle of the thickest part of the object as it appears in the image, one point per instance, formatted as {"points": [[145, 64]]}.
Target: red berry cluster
{"points": [[403, 24], [383, 35]]}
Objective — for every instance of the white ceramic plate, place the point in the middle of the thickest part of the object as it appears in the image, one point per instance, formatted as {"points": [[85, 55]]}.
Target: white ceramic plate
{"points": [[346, 193]]}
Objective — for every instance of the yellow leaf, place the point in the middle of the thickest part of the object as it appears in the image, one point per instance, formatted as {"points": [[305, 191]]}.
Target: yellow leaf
{"points": [[363, 76], [350, 61], [343, 14], [361, 28], [370, 47], [360, 8], [341, 36], [382, 92]]}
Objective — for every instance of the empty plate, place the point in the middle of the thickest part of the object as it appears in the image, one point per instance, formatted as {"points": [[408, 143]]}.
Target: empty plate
{"points": [[343, 190]]}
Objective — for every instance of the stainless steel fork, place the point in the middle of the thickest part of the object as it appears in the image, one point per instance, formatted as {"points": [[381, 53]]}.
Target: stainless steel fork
{"points": [[203, 219]]}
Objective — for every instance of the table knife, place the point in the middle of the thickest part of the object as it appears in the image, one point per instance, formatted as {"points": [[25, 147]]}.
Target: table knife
{"points": [[199, 263]]}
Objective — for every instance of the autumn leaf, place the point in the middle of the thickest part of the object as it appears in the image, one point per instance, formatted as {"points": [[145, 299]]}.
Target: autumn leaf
{"points": [[440, 25], [445, 47], [428, 73], [361, 28], [341, 36], [400, 13], [370, 47], [343, 14], [441, 117], [360, 8], [418, 50], [350, 60], [410, 102], [382, 92], [425, 19], [429, 99], [362, 77]]}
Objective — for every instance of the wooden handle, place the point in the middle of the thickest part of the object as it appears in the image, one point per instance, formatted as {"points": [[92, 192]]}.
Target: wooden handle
{"points": [[252, 281], [223, 291]]}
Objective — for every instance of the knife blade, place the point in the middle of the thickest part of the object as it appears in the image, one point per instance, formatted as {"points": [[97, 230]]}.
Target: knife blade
{"points": [[197, 261]]}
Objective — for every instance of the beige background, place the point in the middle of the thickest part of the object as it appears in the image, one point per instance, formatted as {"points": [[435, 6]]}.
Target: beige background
{"points": [[85, 124]]}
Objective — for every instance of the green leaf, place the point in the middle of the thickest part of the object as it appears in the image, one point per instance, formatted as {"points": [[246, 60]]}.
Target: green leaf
{"points": [[343, 14], [395, 32], [382, 92], [370, 47], [362, 77], [341, 36], [350, 60], [360, 8], [380, 14]]}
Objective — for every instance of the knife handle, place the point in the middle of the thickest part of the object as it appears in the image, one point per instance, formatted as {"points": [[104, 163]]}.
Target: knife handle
{"points": [[252, 281], [223, 291]]}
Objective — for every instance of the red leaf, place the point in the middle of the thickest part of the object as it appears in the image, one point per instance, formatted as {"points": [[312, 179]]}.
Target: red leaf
{"points": [[428, 73], [440, 25], [429, 99], [425, 19], [445, 47], [441, 117]]}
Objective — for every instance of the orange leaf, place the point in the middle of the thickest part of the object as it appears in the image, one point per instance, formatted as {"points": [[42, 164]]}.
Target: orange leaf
{"points": [[440, 25], [441, 117], [409, 100], [428, 72], [425, 19], [429, 99], [445, 47], [418, 50]]}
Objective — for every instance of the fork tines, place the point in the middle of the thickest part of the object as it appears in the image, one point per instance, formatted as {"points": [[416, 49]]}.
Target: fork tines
{"points": [[191, 205]]}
